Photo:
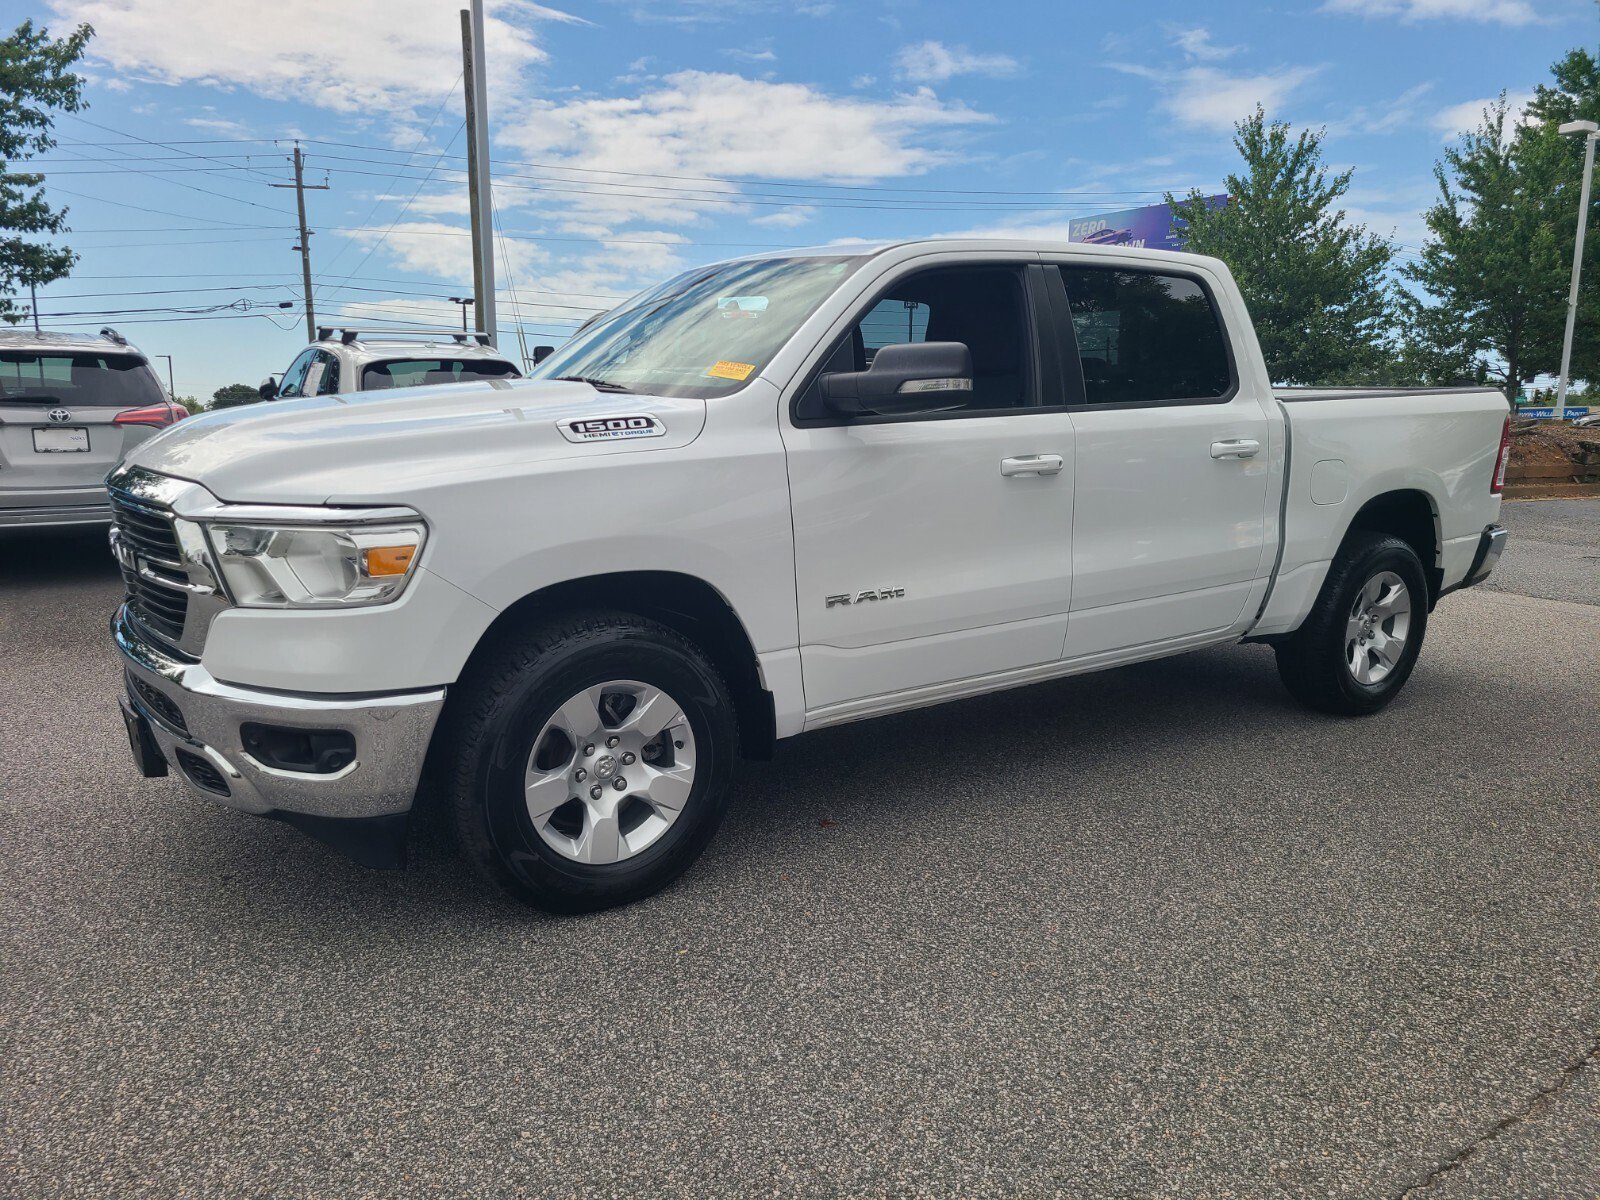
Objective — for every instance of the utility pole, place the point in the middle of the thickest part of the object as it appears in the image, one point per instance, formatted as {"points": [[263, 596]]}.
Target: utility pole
{"points": [[33, 304], [477, 96], [300, 188], [1590, 131]]}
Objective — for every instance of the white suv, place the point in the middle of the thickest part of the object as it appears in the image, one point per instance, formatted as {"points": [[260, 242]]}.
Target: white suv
{"points": [[365, 360]]}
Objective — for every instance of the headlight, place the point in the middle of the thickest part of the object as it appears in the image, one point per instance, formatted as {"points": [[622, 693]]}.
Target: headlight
{"points": [[315, 566]]}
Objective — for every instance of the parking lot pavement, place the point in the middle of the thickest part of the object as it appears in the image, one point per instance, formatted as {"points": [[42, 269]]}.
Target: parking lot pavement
{"points": [[1156, 932], [1553, 550]]}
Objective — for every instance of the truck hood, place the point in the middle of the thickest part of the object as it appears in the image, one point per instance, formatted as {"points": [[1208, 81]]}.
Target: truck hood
{"points": [[371, 447]]}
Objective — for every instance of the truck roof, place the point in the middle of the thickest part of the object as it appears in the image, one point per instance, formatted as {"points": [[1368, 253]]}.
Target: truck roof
{"points": [[1007, 244], [108, 341]]}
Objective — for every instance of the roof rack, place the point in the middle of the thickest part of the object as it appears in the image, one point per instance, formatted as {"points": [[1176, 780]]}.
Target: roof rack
{"points": [[348, 334], [111, 335]]}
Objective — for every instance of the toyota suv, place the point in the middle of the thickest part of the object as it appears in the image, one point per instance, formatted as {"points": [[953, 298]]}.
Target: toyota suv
{"points": [[71, 406]]}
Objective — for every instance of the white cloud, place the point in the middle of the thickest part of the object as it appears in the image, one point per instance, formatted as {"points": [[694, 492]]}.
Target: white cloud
{"points": [[1197, 44], [1209, 98], [787, 218], [1462, 118], [699, 124], [408, 53], [934, 62], [435, 248], [221, 126], [1400, 113], [752, 55], [1504, 12]]}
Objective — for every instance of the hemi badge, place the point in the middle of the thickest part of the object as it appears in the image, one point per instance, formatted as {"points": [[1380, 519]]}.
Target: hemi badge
{"points": [[610, 429]]}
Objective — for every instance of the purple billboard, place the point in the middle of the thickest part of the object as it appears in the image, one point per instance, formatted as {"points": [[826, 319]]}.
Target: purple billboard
{"points": [[1149, 227]]}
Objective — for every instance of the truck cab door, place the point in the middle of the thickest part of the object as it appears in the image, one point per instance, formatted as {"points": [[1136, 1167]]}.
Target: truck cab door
{"points": [[934, 547], [1172, 517]]}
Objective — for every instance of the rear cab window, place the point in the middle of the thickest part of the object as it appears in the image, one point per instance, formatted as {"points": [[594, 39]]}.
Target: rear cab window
{"points": [[81, 380], [1146, 337], [417, 372]]}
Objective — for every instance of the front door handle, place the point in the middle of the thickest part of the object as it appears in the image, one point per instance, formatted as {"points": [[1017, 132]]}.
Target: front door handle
{"points": [[1237, 448], [1032, 464]]}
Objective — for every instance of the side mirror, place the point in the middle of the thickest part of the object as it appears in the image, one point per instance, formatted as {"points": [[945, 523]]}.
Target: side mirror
{"points": [[268, 389], [908, 377], [540, 353]]}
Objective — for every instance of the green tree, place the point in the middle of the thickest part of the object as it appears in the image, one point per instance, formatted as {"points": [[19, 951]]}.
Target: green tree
{"points": [[1314, 280], [1573, 96], [1493, 273], [231, 395], [192, 403], [36, 81]]}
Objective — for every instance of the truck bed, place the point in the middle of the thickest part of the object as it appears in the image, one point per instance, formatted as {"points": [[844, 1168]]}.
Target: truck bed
{"points": [[1297, 395]]}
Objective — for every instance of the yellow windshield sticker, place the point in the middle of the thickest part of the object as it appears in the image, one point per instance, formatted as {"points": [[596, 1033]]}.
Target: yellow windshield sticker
{"points": [[731, 370]]}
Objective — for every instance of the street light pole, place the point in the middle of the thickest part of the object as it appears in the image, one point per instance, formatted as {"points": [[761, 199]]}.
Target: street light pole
{"points": [[1590, 131], [172, 392], [465, 302]]}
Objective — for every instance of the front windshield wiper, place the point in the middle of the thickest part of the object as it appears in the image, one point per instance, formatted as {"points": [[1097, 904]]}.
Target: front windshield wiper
{"points": [[604, 385]]}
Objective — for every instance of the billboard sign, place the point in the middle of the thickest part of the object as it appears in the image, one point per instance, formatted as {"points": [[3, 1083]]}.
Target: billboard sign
{"points": [[1146, 228]]}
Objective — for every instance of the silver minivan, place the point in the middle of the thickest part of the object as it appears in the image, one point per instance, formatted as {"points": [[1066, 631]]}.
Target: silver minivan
{"points": [[70, 407]]}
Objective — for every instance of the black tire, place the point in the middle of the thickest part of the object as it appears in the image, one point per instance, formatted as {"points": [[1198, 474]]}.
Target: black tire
{"points": [[500, 708], [1311, 662]]}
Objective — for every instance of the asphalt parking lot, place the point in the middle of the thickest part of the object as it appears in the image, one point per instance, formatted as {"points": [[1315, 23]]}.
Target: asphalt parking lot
{"points": [[1156, 932]]}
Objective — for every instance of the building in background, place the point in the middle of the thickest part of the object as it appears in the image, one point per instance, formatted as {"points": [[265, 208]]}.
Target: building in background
{"points": [[1149, 227]]}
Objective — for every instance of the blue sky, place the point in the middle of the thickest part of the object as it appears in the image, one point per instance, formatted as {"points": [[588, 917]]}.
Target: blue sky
{"points": [[634, 139]]}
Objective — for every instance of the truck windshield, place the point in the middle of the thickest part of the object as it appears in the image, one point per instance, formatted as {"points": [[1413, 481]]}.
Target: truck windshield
{"points": [[704, 333], [80, 380]]}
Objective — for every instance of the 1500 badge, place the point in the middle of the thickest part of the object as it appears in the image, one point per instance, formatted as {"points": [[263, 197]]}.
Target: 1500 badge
{"points": [[870, 594], [610, 429]]}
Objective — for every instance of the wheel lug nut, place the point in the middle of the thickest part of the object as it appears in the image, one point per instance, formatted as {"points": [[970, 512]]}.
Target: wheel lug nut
{"points": [[596, 792], [627, 759], [580, 775], [588, 750], [620, 784], [611, 742]]}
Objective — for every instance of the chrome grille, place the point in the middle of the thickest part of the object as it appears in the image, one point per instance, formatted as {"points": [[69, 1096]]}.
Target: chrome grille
{"points": [[148, 533]]}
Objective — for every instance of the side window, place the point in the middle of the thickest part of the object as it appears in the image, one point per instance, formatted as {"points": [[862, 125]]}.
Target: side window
{"points": [[1144, 337], [982, 307], [329, 382], [295, 376]]}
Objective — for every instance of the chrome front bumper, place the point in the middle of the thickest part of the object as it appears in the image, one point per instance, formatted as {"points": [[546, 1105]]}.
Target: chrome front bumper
{"points": [[192, 716]]}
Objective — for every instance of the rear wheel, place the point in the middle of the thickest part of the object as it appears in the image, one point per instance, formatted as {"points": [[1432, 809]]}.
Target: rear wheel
{"points": [[592, 762], [1358, 646]]}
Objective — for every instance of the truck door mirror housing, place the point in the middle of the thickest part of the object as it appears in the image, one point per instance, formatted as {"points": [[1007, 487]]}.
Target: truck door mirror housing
{"points": [[905, 378], [540, 353], [268, 388]]}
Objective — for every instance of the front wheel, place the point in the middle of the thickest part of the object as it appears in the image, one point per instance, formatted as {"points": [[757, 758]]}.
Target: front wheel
{"points": [[1356, 649], [593, 760]]}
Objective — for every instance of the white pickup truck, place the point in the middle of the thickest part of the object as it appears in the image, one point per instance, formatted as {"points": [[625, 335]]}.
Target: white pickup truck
{"points": [[768, 496]]}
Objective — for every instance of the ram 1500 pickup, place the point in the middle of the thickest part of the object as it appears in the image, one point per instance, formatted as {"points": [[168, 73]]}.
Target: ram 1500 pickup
{"points": [[768, 496]]}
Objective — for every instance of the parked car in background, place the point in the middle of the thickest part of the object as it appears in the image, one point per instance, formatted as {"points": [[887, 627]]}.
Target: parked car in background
{"points": [[71, 405], [769, 496], [368, 360]]}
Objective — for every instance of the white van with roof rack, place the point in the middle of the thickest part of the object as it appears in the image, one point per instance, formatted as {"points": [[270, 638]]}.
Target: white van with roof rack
{"points": [[71, 405], [346, 359]]}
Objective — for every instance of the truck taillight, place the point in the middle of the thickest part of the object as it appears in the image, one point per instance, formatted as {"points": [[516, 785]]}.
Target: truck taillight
{"points": [[1502, 460], [157, 415]]}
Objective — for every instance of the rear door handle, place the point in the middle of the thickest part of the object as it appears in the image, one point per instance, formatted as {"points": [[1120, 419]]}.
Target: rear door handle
{"points": [[1237, 448], [1032, 464]]}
